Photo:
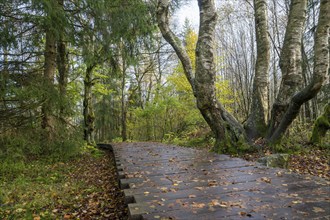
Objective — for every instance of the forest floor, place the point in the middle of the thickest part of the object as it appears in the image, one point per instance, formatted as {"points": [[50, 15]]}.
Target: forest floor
{"points": [[310, 160], [87, 187], [81, 188]]}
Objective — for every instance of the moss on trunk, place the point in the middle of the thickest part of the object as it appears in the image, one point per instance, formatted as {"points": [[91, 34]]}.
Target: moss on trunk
{"points": [[321, 126]]}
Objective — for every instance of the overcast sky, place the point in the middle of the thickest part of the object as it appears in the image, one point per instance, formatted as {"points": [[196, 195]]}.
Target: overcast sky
{"points": [[190, 11]]}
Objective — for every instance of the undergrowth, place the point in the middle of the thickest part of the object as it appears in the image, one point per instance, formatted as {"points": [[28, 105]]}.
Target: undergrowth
{"points": [[44, 188]]}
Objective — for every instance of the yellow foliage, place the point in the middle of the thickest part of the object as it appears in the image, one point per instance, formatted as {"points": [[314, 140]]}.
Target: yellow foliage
{"points": [[191, 42], [225, 93], [178, 79]]}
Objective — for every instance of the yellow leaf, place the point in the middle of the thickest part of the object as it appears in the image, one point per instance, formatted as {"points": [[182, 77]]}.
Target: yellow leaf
{"points": [[318, 209], [198, 205], [215, 202], [164, 189], [266, 179], [297, 202], [223, 204]]}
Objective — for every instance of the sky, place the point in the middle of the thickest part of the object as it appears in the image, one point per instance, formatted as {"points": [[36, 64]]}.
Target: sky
{"points": [[190, 11]]}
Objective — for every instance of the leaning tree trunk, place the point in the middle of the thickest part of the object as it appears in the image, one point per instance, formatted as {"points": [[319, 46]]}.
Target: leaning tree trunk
{"points": [[321, 65], [227, 130], [89, 117], [290, 62], [256, 123]]}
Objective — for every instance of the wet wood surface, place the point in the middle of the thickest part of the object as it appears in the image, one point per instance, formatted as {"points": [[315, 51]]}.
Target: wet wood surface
{"points": [[170, 182]]}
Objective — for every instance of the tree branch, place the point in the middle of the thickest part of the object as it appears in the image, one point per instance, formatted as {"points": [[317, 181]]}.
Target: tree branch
{"points": [[173, 40]]}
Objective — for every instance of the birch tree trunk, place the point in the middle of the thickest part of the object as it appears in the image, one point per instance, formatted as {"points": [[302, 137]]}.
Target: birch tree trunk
{"points": [[228, 132], [290, 62], [321, 65], [256, 123]]}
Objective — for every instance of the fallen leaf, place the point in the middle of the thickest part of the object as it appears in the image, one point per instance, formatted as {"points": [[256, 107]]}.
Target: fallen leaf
{"points": [[243, 213], [212, 183], [318, 209], [198, 205], [266, 179], [279, 173], [215, 202], [192, 196], [296, 202], [164, 189], [293, 195], [199, 188], [223, 204]]}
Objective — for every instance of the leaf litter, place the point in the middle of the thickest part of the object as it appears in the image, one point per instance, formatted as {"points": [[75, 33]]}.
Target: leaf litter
{"points": [[82, 188]]}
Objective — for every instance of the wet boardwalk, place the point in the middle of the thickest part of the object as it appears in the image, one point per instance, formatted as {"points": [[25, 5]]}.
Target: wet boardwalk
{"points": [[168, 182]]}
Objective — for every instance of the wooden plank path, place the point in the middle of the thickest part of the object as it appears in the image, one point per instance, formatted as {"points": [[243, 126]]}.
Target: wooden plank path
{"points": [[169, 182]]}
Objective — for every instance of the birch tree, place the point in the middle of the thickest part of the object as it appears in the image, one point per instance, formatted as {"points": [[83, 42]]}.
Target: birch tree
{"points": [[225, 127], [321, 65], [227, 131], [256, 123], [290, 62]]}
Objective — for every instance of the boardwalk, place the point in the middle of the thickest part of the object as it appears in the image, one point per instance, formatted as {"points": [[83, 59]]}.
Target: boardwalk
{"points": [[168, 182]]}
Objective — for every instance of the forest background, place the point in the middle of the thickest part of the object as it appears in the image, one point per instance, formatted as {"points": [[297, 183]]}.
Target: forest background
{"points": [[85, 71]]}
